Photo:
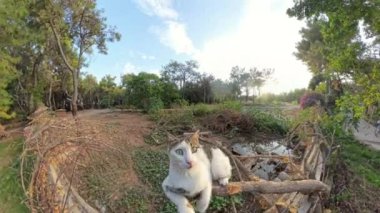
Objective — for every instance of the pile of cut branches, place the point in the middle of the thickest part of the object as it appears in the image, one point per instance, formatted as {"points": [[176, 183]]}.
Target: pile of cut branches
{"points": [[57, 159]]}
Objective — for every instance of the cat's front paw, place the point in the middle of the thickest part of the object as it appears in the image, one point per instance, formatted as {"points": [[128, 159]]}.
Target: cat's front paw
{"points": [[186, 209], [223, 181]]}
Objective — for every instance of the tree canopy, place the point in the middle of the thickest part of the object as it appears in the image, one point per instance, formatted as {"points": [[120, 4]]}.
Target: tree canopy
{"points": [[341, 42]]}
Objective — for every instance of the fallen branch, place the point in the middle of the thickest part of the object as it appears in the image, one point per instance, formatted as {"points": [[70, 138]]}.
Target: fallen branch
{"points": [[200, 133], [283, 157], [270, 187]]}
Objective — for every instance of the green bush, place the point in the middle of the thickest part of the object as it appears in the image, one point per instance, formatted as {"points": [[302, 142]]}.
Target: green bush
{"points": [[202, 109], [269, 122], [154, 105], [180, 103], [360, 158], [11, 193], [231, 105]]}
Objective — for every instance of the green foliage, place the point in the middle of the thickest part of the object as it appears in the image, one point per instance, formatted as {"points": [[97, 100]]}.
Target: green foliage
{"points": [[230, 105], [219, 203], [269, 122], [252, 79], [152, 167], [361, 159], [135, 200], [202, 109], [180, 103], [154, 105], [333, 47], [222, 90], [288, 97], [149, 92], [11, 193], [178, 118]]}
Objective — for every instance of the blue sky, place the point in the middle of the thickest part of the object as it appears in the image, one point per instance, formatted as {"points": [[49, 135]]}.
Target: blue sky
{"points": [[218, 34]]}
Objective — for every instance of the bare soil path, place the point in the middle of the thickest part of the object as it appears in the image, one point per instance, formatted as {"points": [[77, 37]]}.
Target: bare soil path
{"points": [[365, 133]]}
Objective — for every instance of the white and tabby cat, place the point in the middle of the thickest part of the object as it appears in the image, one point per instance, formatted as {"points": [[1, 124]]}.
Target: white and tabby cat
{"points": [[191, 173]]}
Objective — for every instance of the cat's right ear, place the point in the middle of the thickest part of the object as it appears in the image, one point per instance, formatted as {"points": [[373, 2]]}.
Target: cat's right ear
{"points": [[171, 138]]}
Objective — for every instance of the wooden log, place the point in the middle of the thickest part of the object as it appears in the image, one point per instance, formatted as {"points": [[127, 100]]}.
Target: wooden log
{"points": [[271, 187], [200, 133]]}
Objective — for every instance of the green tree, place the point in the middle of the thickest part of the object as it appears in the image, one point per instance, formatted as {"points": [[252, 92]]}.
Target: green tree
{"points": [[181, 74], [143, 90], [258, 77], [88, 89], [348, 56], [107, 86], [237, 81], [7, 74], [222, 90], [20, 54], [77, 27]]}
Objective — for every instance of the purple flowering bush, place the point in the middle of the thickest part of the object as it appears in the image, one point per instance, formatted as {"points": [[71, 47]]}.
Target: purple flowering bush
{"points": [[311, 99]]}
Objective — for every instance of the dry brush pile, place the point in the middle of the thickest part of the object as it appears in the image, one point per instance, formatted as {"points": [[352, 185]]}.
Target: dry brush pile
{"points": [[57, 152]]}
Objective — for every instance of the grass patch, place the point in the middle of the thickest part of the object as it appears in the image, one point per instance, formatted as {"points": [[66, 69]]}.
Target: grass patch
{"points": [[364, 161], [202, 109], [361, 159], [136, 200], [104, 182], [269, 122], [152, 167], [223, 204], [11, 193]]}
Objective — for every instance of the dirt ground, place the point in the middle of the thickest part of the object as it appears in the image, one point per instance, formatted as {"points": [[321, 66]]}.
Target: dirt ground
{"points": [[120, 129], [104, 142]]}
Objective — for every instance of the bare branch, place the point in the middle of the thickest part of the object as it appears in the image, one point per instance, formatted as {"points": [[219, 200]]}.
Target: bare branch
{"points": [[62, 53], [270, 187]]}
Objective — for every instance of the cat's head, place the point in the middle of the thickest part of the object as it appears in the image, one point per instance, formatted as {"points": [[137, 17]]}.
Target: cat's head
{"points": [[182, 152]]}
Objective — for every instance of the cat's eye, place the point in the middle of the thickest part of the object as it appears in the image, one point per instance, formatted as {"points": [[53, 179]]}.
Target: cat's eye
{"points": [[179, 151]]}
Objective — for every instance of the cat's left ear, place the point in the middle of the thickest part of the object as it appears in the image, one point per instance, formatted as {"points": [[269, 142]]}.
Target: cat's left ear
{"points": [[171, 140], [194, 140]]}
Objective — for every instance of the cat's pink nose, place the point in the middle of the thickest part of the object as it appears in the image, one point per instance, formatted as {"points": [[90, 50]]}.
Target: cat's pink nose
{"points": [[189, 164]]}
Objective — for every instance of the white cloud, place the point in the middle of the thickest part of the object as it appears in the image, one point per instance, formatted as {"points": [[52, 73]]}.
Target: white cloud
{"points": [[130, 68], [265, 38], [174, 36], [160, 8], [147, 57]]}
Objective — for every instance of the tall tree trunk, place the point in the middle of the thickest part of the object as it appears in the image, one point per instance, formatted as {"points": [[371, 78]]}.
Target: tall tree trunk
{"points": [[74, 101], [54, 104], [31, 105], [246, 93], [50, 91], [204, 94]]}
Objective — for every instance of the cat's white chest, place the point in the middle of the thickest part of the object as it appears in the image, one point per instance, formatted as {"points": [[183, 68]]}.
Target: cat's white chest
{"points": [[192, 181]]}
